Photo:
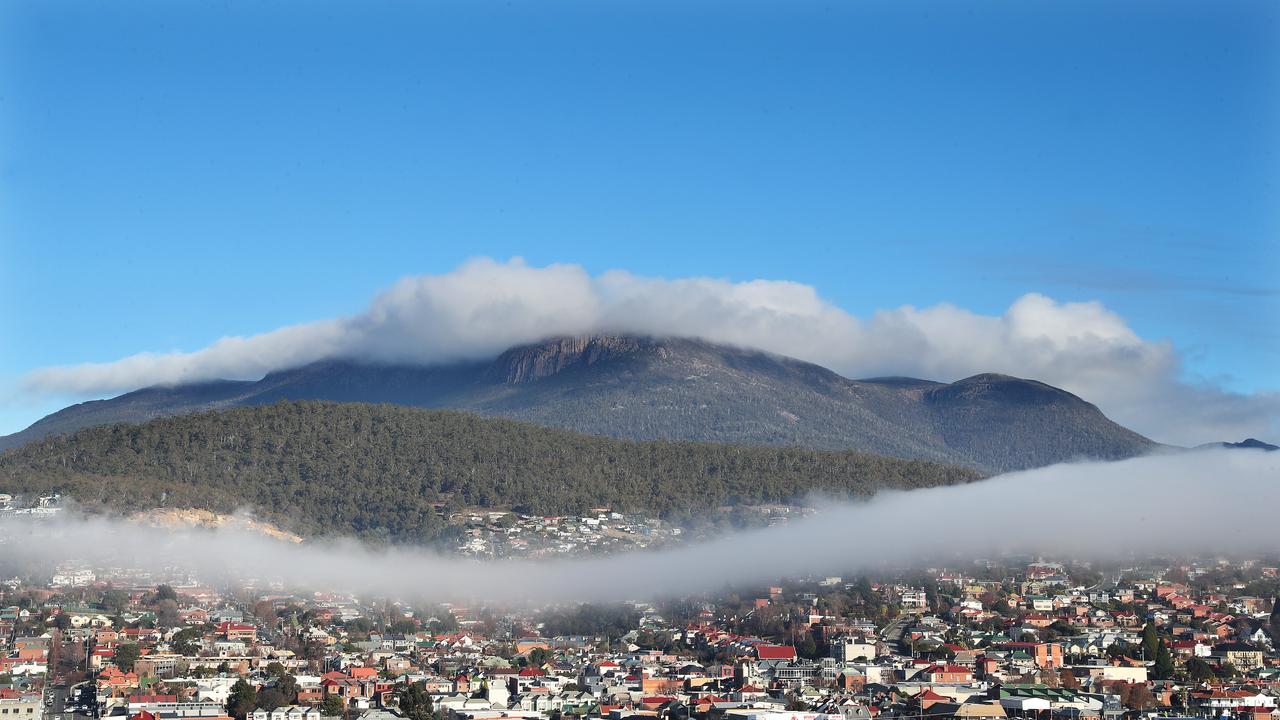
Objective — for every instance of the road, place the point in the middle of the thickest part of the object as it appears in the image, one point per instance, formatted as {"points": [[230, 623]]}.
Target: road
{"points": [[65, 661], [64, 696], [56, 710], [894, 633]]}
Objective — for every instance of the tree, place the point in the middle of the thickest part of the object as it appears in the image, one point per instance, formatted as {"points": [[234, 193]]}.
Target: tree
{"points": [[270, 699], [539, 656], [1140, 697], [403, 627], [415, 702], [1068, 681], [242, 700], [115, 600], [164, 592], [265, 611], [332, 706], [1199, 671], [806, 647], [358, 626], [1122, 649], [126, 655], [274, 669], [187, 641], [1150, 641], [1164, 667], [288, 686], [167, 612]]}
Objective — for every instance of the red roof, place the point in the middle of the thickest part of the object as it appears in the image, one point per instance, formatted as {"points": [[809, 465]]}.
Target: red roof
{"points": [[776, 652], [532, 672]]}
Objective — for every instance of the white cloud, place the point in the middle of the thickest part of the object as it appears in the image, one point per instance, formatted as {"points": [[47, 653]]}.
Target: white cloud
{"points": [[485, 306]]}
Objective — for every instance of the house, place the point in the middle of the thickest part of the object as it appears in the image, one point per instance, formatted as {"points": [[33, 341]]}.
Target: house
{"points": [[238, 631], [849, 649], [914, 600], [1219, 702], [116, 679], [775, 652], [947, 674], [1046, 656], [288, 712], [1243, 656], [986, 711], [158, 665], [21, 707]]}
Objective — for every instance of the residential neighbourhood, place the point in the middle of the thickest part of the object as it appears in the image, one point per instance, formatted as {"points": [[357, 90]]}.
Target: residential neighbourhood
{"points": [[1029, 638]]}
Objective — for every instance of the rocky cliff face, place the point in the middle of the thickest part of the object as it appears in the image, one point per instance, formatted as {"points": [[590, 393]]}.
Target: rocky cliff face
{"points": [[528, 363]]}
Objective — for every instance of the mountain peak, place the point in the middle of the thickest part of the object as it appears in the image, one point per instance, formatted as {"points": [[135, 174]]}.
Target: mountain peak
{"points": [[1010, 389], [675, 388]]}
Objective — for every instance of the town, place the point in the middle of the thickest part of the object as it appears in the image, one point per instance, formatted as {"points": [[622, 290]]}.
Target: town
{"points": [[481, 533], [1002, 638]]}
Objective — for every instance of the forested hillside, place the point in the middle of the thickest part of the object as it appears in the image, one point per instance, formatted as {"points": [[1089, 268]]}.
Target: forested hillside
{"points": [[381, 470]]}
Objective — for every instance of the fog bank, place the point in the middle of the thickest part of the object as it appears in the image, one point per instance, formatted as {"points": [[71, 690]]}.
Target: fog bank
{"points": [[1212, 501]]}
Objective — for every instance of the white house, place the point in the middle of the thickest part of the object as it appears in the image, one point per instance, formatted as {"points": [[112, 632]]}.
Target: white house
{"points": [[288, 712]]}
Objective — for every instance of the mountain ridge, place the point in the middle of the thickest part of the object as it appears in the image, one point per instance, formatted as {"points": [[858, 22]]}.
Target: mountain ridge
{"points": [[645, 388]]}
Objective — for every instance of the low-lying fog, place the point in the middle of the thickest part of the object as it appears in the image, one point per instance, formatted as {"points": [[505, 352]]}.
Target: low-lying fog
{"points": [[1214, 501]]}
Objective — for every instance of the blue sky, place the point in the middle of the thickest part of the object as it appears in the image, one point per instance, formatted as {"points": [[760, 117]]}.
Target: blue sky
{"points": [[177, 172]]}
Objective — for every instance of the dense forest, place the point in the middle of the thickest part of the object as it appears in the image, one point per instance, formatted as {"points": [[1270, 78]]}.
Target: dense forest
{"points": [[383, 471]]}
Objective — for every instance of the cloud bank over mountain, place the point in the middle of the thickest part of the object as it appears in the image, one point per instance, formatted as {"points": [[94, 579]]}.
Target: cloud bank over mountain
{"points": [[486, 306], [1138, 508]]}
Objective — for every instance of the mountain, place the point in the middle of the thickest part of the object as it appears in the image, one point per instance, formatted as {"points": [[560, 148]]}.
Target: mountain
{"points": [[383, 471], [682, 389], [1246, 444]]}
